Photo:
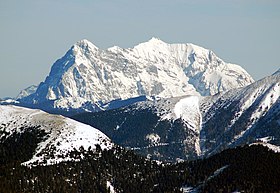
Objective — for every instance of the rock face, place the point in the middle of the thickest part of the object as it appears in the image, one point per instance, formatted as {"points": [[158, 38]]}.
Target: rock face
{"points": [[88, 77]]}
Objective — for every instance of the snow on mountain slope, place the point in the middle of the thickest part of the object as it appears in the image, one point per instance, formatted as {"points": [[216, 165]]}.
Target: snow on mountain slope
{"points": [[185, 108], [188, 110], [191, 126], [205, 71], [274, 148], [243, 115], [87, 74], [161, 129], [26, 92], [63, 135], [229, 119]]}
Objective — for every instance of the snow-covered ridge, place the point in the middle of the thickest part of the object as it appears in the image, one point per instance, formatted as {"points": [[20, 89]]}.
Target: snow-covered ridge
{"points": [[274, 148], [26, 92], [244, 114], [154, 68], [263, 94], [63, 134], [228, 119], [185, 108]]}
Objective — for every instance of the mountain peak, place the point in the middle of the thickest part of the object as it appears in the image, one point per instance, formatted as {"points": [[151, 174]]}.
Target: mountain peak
{"points": [[85, 45], [87, 74], [155, 40], [27, 91], [115, 49]]}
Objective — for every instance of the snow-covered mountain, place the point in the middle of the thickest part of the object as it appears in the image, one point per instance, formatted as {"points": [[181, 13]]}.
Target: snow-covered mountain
{"points": [[191, 126], [55, 135], [87, 77], [26, 92], [8, 100], [242, 115], [164, 129]]}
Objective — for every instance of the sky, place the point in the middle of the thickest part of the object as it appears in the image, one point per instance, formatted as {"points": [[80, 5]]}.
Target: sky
{"points": [[35, 33]]}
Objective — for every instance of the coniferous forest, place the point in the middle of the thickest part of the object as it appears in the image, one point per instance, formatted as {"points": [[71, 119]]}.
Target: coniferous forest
{"points": [[252, 168]]}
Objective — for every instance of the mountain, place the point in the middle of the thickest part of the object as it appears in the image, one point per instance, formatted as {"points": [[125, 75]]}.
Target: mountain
{"points": [[189, 127], [88, 78], [243, 169], [158, 129], [44, 138], [26, 92], [60, 150], [8, 100], [242, 116]]}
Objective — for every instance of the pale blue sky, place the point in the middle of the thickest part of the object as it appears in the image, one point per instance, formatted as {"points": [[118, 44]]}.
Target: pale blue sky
{"points": [[35, 33]]}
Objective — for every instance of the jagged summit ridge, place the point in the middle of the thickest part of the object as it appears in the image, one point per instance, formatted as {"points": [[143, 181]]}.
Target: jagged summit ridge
{"points": [[85, 47], [154, 68]]}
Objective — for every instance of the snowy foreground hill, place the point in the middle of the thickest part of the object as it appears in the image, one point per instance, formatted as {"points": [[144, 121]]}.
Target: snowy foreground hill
{"points": [[87, 78], [55, 136], [191, 126], [40, 152]]}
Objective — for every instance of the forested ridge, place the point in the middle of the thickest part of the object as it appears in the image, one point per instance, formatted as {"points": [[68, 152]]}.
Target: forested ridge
{"points": [[127, 129], [250, 169]]}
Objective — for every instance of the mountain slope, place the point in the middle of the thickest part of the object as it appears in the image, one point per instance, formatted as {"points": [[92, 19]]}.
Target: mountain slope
{"points": [[87, 77], [191, 126], [26, 92], [243, 169], [53, 137], [242, 116], [158, 129]]}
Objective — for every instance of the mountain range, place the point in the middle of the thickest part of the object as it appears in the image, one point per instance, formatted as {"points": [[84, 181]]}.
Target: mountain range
{"points": [[40, 152], [177, 103], [191, 126], [87, 78]]}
